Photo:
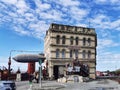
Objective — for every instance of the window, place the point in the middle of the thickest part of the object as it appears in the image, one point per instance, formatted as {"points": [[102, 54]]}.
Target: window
{"points": [[63, 39], [89, 42], [76, 40], [62, 27], [71, 40], [63, 53], [84, 41], [83, 54], [58, 39], [71, 53], [57, 53], [75, 29], [76, 53], [89, 54]]}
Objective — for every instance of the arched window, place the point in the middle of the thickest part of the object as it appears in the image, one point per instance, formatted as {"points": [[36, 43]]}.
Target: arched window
{"points": [[57, 53], [63, 39], [71, 40], [83, 54], [89, 54], [76, 40], [71, 53], [58, 39], [84, 41], [63, 53], [89, 42]]}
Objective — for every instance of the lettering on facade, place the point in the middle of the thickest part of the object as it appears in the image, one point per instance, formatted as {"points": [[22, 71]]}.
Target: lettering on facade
{"points": [[73, 29]]}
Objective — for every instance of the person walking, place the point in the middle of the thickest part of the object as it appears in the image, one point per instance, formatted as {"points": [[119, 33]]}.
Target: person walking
{"points": [[37, 77]]}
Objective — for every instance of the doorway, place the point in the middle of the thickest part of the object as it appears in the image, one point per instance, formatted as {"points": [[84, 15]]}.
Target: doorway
{"points": [[56, 72]]}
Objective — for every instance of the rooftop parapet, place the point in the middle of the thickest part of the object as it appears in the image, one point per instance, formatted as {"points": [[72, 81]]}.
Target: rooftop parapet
{"points": [[72, 29]]}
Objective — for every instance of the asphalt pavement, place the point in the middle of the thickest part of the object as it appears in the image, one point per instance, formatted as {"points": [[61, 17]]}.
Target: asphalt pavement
{"points": [[46, 85], [102, 84]]}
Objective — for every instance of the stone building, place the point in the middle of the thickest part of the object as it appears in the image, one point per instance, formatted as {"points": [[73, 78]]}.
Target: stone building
{"points": [[63, 43]]}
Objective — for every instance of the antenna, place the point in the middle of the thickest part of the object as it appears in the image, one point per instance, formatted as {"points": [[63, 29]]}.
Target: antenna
{"points": [[89, 5]]}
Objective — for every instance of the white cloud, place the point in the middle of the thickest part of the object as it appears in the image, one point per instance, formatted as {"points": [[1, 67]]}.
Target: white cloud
{"points": [[99, 18], [115, 1], [27, 21], [78, 13], [9, 1], [104, 22], [115, 24], [41, 6], [52, 14], [116, 8], [70, 2], [20, 30], [105, 43], [37, 30], [30, 17], [108, 61], [107, 1], [82, 25], [24, 16], [67, 3], [21, 7], [21, 4], [101, 21], [15, 65], [101, 1]]}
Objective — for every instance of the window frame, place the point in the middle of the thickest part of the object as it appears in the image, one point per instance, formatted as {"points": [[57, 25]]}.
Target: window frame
{"points": [[57, 53], [83, 54], [76, 40], [89, 54], [84, 41], [58, 39], [63, 39], [89, 41], [71, 40], [71, 53], [63, 53]]}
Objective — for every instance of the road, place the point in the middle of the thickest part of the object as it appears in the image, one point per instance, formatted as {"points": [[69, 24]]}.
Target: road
{"points": [[22, 85], [104, 84]]}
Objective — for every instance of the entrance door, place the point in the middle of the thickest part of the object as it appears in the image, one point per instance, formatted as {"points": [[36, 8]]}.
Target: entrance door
{"points": [[55, 72]]}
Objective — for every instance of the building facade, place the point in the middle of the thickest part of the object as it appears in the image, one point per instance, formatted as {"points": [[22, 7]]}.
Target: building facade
{"points": [[63, 43]]}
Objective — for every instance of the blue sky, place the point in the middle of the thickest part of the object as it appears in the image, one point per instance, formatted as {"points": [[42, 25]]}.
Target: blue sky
{"points": [[23, 24]]}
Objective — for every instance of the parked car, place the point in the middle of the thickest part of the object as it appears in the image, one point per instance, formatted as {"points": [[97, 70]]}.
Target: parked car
{"points": [[7, 85]]}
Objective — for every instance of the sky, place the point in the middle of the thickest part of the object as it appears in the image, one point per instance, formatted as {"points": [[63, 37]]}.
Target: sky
{"points": [[23, 24]]}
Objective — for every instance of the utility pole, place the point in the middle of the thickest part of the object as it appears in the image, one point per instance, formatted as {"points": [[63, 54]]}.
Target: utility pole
{"points": [[40, 72], [9, 65]]}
